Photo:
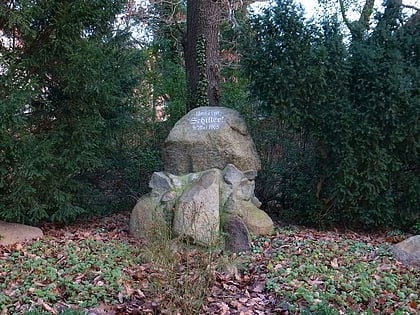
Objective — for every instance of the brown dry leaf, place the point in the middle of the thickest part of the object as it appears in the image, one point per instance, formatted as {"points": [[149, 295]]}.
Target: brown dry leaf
{"points": [[223, 308], [120, 297], [140, 293], [46, 307], [235, 304], [238, 277], [413, 305], [334, 263], [259, 287], [18, 246], [316, 282], [382, 300], [128, 290]]}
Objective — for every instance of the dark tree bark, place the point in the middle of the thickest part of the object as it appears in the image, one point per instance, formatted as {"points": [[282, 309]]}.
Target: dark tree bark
{"points": [[357, 28], [203, 18]]}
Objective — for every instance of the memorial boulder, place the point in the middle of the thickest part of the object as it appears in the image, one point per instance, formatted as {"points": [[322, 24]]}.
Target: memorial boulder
{"points": [[209, 137], [207, 187]]}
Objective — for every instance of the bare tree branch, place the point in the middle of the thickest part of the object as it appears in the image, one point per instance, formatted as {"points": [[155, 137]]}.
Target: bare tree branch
{"points": [[407, 6]]}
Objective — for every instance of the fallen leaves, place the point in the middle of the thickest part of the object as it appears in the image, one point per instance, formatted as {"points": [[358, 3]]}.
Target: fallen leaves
{"points": [[352, 271], [46, 307], [77, 266], [334, 263], [95, 266], [413, 305], [240, 296]]}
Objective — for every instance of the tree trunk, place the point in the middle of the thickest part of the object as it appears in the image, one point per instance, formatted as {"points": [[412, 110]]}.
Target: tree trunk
{"points": [[203, 18], [357, 28]]}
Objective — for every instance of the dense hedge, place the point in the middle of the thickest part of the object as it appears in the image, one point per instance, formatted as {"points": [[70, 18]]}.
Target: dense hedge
{"points": [[67, 76], [354, 104]]}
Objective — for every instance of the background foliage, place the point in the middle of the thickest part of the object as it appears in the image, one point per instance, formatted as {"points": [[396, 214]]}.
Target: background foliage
{"points": [[354, 101], [335, 117], [66, 84]]}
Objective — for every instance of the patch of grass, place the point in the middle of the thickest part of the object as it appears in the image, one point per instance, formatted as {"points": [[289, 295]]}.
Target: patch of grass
{"points": [[321, 274], [183, 272]]}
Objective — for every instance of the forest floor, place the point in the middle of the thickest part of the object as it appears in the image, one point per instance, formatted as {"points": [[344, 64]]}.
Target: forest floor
{"points": [[95, 267]]}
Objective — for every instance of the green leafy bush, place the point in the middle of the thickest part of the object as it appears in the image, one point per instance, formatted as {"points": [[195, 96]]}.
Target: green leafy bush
{"points": [[67, 76], [357, 102]]}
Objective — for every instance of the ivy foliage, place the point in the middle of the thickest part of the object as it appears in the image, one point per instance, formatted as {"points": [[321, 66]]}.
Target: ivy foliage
{"points": [[201, 98], [66, 78], [356, 103]]}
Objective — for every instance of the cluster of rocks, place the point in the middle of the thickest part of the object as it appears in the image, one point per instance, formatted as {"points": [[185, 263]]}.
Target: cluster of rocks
{"points": [[207, 186], [201, 205]]}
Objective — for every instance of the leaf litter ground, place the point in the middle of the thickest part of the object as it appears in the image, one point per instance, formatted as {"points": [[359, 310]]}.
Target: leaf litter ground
{"points": [[95, 266]]}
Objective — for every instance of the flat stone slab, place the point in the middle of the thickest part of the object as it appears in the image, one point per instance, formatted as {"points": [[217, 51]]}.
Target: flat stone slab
{"points": [[12, 233]]}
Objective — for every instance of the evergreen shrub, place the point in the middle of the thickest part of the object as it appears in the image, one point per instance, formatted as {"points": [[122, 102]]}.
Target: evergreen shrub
{"points": [[357, 101], [67, 77]]}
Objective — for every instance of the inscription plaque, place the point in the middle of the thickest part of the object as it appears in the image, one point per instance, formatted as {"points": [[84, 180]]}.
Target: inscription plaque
{"points": [[207, 119]]}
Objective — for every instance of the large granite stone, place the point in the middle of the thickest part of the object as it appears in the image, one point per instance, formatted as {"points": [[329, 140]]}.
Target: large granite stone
{"points": [[196, 215], [11, 233], [257, 221], [408, 251], [147, 216], [237, 237], [209, 137], [210, 165]]}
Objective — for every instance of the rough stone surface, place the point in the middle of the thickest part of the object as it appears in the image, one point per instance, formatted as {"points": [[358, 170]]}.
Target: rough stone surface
{"points": [[12, 233], [197, 212], [145, 216], [210, 166], [242, 190], [237, 237], [160, 181], [192, 204], [210, 137], [257, 221], [408, 251]]}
